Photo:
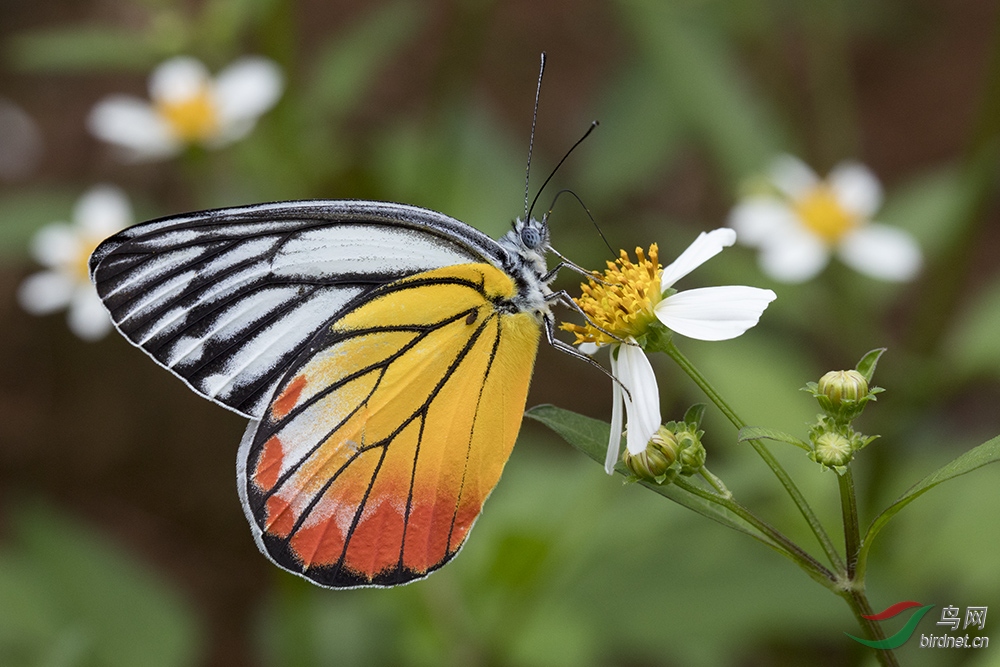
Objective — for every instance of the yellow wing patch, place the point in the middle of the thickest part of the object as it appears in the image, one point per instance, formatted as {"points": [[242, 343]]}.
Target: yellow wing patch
{"points": [[376, 454]]}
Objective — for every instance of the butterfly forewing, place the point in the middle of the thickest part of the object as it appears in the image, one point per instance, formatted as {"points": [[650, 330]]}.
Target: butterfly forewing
{"points": [[227, 299], [380, 445]]}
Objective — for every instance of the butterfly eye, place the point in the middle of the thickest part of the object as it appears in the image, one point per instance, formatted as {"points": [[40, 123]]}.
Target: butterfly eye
{"points": [[471, 318], [530, 237]]}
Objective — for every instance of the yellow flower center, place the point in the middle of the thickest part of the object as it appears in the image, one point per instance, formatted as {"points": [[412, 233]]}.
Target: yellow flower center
{"points": [[622, 302], [192, 119], [79, 265], [824, 215]]}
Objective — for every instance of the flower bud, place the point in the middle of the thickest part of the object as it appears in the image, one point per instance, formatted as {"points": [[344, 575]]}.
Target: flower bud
{"points": [[665, 441], [649, 464], [832, 449], [841, 386], [842, 394], [654, 463], [692, 453]]}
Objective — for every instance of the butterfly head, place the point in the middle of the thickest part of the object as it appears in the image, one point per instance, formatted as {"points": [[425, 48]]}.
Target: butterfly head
{"points": [[533, 234], [526, 245], [529, 240]]}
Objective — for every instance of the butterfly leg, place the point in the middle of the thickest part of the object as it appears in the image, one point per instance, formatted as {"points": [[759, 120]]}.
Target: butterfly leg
{"points": [[565, 263], [566, 348], [565, 299]]}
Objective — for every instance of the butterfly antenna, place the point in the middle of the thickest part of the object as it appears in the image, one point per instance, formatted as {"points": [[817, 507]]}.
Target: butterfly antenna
{"points": [[585, 209], [531, 137], [579, 141]]}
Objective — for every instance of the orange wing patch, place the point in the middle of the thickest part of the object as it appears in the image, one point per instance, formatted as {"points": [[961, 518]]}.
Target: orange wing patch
{"points": [[377, 453], [269, 464], [289, 397]]}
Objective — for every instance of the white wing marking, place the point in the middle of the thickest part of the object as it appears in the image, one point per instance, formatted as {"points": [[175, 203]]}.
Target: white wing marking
{"points": [[226, 299]]}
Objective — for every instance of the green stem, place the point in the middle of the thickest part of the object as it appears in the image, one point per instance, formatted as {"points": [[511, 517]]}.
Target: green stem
{"points": [[793, 551], [793, 491], [857, 600], [854, 592], [716, 483], [849, 511]]}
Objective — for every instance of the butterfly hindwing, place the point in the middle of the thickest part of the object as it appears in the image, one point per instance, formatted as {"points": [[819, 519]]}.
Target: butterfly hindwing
{"points": [[227, 299], [379, 446]]}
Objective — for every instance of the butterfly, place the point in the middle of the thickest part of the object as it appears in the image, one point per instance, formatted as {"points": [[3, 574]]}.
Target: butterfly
{"points": [[382, 353]]}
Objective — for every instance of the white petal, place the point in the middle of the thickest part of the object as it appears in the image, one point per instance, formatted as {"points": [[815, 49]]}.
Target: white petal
{"points": [[615, 437], [87, 317], [132, 124], [642, 410], [178, 79], [45, 292], [103, 210], [881, 251], [704, 248], [247, 88], [758, 219], [56, 245], [589, 349], [792, 176], [231, 132], [794, 258], [714, 313], [856, 188]]}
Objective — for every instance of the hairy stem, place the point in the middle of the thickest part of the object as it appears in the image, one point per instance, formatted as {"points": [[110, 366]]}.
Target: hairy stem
{"points": [[793, 491]]}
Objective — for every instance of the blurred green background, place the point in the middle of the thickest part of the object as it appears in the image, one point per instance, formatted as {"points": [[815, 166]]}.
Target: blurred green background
{"points": [[122, 541]]}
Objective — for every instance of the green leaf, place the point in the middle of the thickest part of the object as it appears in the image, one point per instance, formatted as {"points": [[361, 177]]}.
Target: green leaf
{"points": [[81, 48], [691, 60], [695, 414], [984, 454], [930, 206], [24, 212], [868, 362], [590, 436], [81, 601], [760, 433], [347, 65], [972, 347], [630, 152]]}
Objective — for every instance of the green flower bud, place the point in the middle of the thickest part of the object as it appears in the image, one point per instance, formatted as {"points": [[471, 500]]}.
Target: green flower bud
{"points": [[692, 453], [842, 394], [651, 464], [841, 386], [833, 449], [665, 441], [674, 449]]}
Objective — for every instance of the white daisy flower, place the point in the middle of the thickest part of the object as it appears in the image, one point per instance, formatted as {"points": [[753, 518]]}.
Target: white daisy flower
{"points": [[810, 218], [630, 298], [187, 107], [65, 249]]}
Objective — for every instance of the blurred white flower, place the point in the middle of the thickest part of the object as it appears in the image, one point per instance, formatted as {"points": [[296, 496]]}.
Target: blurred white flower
{"points": [[65, 249], [187, 106], [797, 230], [632, 296]]}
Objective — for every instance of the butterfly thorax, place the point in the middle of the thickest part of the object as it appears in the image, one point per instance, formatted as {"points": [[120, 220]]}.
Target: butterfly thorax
{"points": [[526, 244]]}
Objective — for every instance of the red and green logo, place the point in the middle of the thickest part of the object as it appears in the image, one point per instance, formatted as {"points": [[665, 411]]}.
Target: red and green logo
{"points": [[904, 633]]}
